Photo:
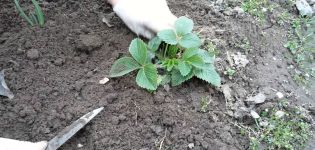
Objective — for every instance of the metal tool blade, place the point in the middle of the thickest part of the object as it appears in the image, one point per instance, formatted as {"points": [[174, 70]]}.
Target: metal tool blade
{"points": [[69, 131]]}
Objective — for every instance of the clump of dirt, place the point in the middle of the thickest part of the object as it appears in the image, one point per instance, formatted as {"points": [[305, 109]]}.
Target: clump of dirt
{"points": [[54, 73]]}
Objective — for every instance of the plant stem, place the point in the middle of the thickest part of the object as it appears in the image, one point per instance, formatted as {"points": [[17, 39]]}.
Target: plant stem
{"points": [[159, 56], [165, 50]]}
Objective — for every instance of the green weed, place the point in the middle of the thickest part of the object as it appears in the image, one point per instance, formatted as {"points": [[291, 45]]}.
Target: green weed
{"points": [[302, 47], [204, 104], [230, 72], [257, 8], [283, 18], [33, 18], [175, 53], [289, 131], [212, 49]]}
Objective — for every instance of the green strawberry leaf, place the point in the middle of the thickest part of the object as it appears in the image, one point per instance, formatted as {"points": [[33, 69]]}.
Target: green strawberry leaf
{"points": [[209, 75], [183, 25], [190, 40], [190, 52], [138, 51], [206, 56], [196, 61], [184, 68], [168, 36], [177, 78], [154, 44], [123, 66], [147, 77]]}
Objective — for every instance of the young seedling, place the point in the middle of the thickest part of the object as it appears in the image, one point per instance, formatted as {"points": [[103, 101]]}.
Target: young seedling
{"points": [[36, 18], [172, 57], [204, 103], [230, 72]]}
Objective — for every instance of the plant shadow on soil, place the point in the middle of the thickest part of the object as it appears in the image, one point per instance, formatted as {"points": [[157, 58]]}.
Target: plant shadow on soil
{"points": [[55, 82]]}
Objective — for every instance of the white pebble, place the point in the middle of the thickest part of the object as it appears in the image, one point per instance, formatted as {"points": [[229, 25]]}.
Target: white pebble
{"points": [[279, 114], [280, 95], [258, 99], [191, 145], [254, 114], [79, 145], [304, 8], [104, 81]]}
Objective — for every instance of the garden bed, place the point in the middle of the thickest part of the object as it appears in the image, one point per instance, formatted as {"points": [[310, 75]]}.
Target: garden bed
{"points": [[54, 73]]}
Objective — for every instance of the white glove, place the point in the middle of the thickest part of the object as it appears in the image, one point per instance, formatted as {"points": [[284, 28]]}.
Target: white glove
{"points": [[144, 17], [9, 144]]}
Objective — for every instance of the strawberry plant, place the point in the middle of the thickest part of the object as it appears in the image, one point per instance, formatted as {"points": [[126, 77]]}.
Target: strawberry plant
{"points": [[173, 56]]}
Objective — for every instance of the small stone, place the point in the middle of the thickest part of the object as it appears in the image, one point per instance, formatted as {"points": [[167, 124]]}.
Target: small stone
{"points": [[279, 114], [227, 12], [4, 90], [226, 89], [240, 60], [32, 54], [304, 8], [122, 117], [191, 145], [258, 99], [79, 145], [254, 114], [279, 95], [104, 80], [166, 87], [156, 129], [238, 10]]}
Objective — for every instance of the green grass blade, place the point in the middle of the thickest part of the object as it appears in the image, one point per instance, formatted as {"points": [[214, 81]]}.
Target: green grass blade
{"points": [[33, 18], [22, 13], [39, 13]]}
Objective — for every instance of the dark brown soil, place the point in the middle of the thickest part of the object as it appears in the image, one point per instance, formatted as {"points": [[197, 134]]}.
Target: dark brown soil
{"points": [[54, 73]]}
